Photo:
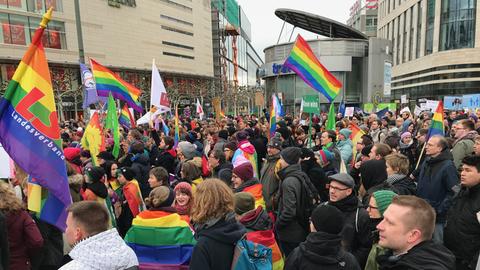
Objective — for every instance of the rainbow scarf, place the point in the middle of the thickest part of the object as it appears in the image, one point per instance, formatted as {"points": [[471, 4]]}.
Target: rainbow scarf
{"points": [[437, 127], [29, 130], [93, 138], [109, 82], [256, 191], [305, 64], [161, 240], [267, 238], [126, 119], [131, 191]]}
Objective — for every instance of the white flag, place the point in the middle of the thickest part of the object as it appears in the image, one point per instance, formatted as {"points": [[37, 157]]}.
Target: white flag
{"points": [[199, 109], [158, 96]]}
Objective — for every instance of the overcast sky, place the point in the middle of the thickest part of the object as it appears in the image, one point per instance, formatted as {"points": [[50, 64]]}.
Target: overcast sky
{"points": [[266, 26]]}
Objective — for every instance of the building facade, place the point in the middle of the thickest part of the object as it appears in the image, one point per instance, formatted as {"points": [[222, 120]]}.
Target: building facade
{"points": [[436, 46], [363, 17], [123, 35]]}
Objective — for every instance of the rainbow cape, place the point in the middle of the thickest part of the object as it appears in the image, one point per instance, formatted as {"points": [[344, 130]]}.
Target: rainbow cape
{"points": [[356, 137], [93, 139], [267, 238], [246, 153], [109, 82], [131, 191], [161, 240], [29, 129], [437, 127], [305, 64], [256, 191], [126, 119]]}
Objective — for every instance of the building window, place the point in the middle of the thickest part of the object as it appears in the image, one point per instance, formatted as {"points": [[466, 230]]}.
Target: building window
{"points": [[168, 28], [39, 6], [404, 50], [430, 26], [177, 45], [371, 23], [176, 20], [410, 37], [399, 33], [419, 28], [178, 55], [16, 29], [457, 24], [177, 5]]}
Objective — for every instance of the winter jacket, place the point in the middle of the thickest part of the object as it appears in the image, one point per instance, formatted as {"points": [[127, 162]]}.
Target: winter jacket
{"points": [[224, 172], [270, 181], [409, 150], [51, 254], [463, 147], [317, 176], [216, 242], [346, 150], [337, 157], [24, 239], [4, 251], [373, 172], [95, 192], [141, 168], [321, 251], [105, 250], [219, 145], [75, 184], [288, 226], [166, 159], [398, 183], [462, 229], [260, 144], [437, 177], [356, 232], [378, 135], [426, 255]]}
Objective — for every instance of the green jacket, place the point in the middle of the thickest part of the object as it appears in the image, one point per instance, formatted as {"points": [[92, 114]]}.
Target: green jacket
{"points": [[372, 257], [462, 148]]}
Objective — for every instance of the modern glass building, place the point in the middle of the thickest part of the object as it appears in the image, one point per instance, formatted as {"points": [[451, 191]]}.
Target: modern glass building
{"points": [[436, 46]]}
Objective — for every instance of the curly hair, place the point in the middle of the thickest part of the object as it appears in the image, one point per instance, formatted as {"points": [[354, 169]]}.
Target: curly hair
{"points": [[9, 201], [213, 199]]}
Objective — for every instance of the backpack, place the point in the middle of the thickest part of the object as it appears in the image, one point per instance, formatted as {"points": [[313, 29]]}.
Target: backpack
{"points": [[251, 256]]}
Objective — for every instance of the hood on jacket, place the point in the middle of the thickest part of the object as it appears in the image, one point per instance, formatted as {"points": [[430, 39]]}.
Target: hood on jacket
{"points": [[321, 248], [105, 250], [142, 158], [226, 230], [445, 155], [99, 189], [283, 173], [373, 172], [247, 147], [256, 220]]}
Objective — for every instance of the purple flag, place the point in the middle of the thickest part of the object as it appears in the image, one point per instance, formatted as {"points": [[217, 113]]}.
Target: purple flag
{"points": [[89, 88]]}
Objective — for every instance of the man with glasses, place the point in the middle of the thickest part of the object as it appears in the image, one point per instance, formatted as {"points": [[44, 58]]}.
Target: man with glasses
{"points": [[464, 139], [356, 233], [220, 167]]}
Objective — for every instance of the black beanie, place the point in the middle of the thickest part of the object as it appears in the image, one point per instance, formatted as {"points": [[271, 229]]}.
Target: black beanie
{"points": [[291, 155], [223, 134], [327, 218], [95, 173], [127, 173]]}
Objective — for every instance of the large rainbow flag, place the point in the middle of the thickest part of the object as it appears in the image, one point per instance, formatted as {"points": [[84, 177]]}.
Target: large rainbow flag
{"points": [[126, 119], [29, 129], [273, 117], [303, 61], [161, 240], [133, 195], [93, 139], [437, 127], [256, 191], [356, 137], [267, 238], [109, 82], [177, 129]]}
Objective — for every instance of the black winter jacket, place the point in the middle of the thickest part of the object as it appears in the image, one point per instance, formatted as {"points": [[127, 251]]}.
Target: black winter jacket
{"points": [[317, 176], [141, 167], [462, 229], [224, 172], [166, 160], [4, 256], [321, 251], [426, 256], [215, 244], [51, 254]]}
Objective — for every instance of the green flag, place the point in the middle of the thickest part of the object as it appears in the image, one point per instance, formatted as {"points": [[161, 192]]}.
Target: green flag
{"points": [[331, 118], [111, 122]]}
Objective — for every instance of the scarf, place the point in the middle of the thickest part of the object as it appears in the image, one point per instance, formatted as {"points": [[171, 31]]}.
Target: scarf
{"points": [[392, 179]]}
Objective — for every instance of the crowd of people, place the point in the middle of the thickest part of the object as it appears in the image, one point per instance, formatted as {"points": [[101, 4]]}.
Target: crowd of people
{"points": [[396, 199]]}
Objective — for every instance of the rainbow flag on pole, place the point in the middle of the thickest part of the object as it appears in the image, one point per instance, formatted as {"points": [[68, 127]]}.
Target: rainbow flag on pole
{"points": [[29, 129], [273, 119], [303, 61], [437, 127], [161, 240], [177, 129], [126, 118], [109, 82], [356, 137]]}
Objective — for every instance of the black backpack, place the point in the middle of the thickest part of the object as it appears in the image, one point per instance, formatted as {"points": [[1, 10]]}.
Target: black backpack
{"points": [[310, 199]]}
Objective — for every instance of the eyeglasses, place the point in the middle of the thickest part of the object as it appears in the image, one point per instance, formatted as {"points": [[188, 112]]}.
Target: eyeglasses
{"points": [[337, 188], [372, 207]]}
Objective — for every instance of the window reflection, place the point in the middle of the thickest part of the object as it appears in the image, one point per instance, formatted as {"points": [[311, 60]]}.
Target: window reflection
{"points": [[457, 25]]}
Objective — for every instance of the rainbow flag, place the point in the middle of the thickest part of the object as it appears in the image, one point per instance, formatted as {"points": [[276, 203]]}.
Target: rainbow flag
{"points": [[256, 191], [131, 191], [109, 82], [304, 62], [356, 137], [93, 139], [177, 129], [126, 119], [273, 118], [267, 238], [246, 153], [161, 240], [437, 127], [29, 129]]}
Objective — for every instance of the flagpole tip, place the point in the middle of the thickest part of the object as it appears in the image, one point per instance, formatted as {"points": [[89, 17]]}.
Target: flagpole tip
{"points": [[46, 18]]}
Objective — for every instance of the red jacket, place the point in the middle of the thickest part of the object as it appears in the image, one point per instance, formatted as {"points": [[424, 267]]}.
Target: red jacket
{"points": [[23, 239]]}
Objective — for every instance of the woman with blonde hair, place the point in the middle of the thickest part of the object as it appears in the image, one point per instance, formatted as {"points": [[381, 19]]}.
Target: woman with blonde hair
{"points": [[24, 238], [216, 229]]}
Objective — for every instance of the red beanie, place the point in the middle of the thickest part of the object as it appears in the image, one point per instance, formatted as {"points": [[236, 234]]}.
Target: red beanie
{"points": [[244, 171]]}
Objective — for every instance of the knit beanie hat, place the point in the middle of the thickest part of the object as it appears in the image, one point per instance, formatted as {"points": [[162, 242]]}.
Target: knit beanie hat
{"points": [[291, 155], [346, 132], [325, 156], [160, 197], [383, 199], [127, 172], [70, 153], [184, 187], [405, 134], [275, 142], [188, 149], [95, 173], [327, 218], [243, 202], [244, 171]]}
